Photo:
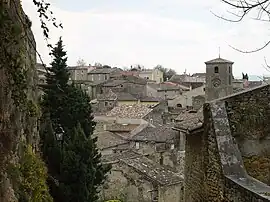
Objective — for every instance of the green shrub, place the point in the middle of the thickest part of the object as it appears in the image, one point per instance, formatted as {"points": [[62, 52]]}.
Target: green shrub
{"points": [[33, 174]]}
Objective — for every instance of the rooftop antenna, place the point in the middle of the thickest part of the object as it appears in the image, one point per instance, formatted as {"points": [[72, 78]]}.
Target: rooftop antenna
{"points": [[218, 52]]}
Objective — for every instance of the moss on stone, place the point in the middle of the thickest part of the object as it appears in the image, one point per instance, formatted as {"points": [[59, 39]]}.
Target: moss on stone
{"points": [[30, 175], [258, 167]]}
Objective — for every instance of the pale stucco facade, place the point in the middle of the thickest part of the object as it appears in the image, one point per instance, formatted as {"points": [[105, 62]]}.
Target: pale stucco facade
{"points": [[153, 74]]}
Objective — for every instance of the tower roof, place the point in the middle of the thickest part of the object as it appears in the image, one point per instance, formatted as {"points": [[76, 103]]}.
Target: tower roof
{"points": [[218, 61]]}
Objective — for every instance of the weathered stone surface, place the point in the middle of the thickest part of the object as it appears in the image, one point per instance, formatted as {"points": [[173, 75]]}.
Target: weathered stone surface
{"points": [[214, 168]]}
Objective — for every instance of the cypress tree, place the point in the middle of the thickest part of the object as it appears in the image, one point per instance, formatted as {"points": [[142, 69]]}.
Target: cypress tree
{"points": [[82, 172], [56, 83], [77, 166]]}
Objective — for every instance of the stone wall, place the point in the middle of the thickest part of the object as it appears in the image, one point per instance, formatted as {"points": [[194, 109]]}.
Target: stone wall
{"points": [[125, 184], [217, 162], [249, 115], [225, 176], [16, 127], [128, 87], [169, 157], [193, 170]]}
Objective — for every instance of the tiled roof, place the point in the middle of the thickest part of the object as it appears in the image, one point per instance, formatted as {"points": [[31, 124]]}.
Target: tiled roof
{"points": [[102, 71], [108, 140], [153, 171], [199, 96], [186, 115], [218, 61], [135, 79], [162, 133], [192, 121], [181, 79], [135, 111], [110, 96], [114, 83], [199, 75], [129, 154], [123, 96], [150, 99], [116, 127], [163, 86]]}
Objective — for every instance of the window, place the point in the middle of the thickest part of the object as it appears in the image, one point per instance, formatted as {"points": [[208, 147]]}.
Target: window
{"points": [[121, 86], [106, 76], [216, 69], [230, 80], [147, 77], [179, 105], [137, 145], [155, 195], [203, 89], [230, 69], [106, 103], [161, 159]]}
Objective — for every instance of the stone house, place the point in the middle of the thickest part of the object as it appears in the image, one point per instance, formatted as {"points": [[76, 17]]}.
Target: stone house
{"points": [[163, 90], [88, 86], [151, 74], [127, 84], [106, 101], [114, 134], [198, 101], [160, 144], [78, 73], [185, 100], [100, 75], [134, 177], [191, 82], [130, 99]]}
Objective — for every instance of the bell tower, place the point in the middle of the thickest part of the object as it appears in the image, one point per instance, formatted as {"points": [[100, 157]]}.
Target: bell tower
{"points": [[218, 78]]}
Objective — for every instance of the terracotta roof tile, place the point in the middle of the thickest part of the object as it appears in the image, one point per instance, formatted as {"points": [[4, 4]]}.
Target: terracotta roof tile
{"points": [[135, 111], [154, 171]]}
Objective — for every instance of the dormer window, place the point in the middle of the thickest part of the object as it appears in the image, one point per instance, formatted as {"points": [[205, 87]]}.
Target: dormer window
{"points": [[216, 69]]}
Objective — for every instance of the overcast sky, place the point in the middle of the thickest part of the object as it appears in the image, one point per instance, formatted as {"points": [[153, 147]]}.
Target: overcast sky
{"points": [[177, 34]]}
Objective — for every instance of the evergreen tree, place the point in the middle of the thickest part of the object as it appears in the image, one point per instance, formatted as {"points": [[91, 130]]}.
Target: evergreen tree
{"points": [[82, 171], [51, 153], [77, 110], [77, 167], [57, 82]]}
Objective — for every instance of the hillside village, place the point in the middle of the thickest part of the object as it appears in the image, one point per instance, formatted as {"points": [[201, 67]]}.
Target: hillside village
{"points": [[144, 124], [105, 134]]}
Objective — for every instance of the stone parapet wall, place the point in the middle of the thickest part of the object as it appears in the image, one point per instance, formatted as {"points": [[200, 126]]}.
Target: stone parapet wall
{"points": [[225, 176]]}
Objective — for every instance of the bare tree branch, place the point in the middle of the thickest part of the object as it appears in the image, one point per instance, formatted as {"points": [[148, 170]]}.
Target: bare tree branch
{"points": [[244, 7]]}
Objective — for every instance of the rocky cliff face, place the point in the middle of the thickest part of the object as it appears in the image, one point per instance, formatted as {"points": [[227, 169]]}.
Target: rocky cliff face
{"points": [[18, 104]]}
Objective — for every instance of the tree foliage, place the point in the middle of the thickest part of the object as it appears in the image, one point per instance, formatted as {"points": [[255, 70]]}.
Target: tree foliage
{"points": [[82, 171], [77, 167], [81, 62], [167, 73], [33, 175]]}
